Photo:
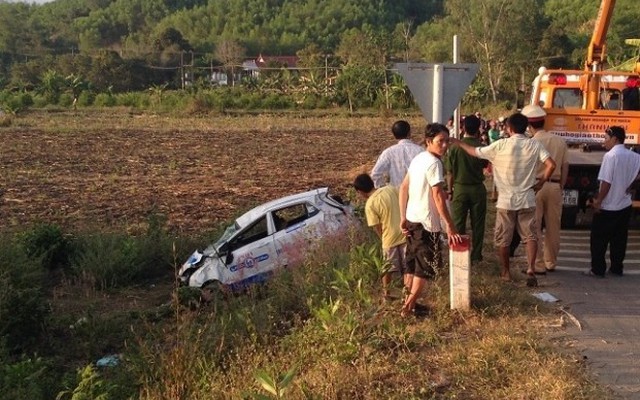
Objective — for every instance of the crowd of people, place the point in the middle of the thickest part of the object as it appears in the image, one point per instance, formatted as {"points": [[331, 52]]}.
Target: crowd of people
{"points": [[415, 194]]}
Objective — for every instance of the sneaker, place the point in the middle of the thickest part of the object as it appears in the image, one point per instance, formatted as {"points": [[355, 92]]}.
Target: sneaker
{"points": [[612, 273]]}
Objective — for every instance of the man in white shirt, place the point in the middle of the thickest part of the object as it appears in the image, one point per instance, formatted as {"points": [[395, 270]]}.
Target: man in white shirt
{"points": [[423, 211], [515, 166], [612, 205], [394, 161]]}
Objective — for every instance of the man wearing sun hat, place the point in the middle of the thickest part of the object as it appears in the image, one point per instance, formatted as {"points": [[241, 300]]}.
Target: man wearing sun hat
{"points": [[549, 197]]}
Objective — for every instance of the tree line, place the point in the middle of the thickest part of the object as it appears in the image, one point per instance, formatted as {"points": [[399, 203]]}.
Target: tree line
{"points": [[131, 45]]}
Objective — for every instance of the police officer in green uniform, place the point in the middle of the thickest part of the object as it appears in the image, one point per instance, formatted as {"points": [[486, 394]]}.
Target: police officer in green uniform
{"points": [[465, 182]]}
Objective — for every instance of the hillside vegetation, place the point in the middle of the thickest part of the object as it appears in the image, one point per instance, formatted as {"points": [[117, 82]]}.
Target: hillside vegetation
{"points": [[112, 46]]}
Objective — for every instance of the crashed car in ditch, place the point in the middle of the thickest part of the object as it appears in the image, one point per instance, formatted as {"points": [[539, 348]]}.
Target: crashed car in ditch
{"points": [[270, 236]]}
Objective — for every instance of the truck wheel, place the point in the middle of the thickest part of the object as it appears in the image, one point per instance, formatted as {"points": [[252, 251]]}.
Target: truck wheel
{"points": [[569, 217]]}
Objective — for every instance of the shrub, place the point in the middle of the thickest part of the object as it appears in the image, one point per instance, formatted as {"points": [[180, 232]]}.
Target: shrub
{"points": [[323, 102], [5, 95], [105, 100], [39, 101], [310, 102], [5, 120], [29, 378], [25, 99], [86, 98], [172, 100], [23, 307], [250, 101], [108, 260], [90, 385], [276, 101], [200, 103], [48, 244], [65, 100], [133, 99], [18, 102]]}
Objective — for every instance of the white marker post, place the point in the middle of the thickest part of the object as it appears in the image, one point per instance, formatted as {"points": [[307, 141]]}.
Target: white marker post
{"points": [[459, 263]]}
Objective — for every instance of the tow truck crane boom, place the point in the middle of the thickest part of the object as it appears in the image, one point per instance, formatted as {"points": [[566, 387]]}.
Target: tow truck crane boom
{"points": [[596, 55]]}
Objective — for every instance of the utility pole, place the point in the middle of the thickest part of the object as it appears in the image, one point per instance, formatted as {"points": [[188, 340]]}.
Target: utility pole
{"points": [[182, 68], [456, 112], [326, 75]]}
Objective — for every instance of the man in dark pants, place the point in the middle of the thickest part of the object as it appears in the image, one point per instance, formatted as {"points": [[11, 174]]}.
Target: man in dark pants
{"points": [[612, 205], [465, 182]]}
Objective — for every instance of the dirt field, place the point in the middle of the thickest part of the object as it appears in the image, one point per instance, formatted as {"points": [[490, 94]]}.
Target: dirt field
{"points": [[111, 169]]}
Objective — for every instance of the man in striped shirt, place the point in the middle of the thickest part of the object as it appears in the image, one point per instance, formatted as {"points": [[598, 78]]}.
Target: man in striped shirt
{"points": [[394, 161], [515, 164]]}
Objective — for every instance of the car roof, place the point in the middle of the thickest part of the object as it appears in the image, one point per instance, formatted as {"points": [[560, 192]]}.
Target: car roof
{"points": [[262, 209]]}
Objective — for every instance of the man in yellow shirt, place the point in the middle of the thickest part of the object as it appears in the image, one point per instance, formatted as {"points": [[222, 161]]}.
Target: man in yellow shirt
{"points": [[382, 210]]}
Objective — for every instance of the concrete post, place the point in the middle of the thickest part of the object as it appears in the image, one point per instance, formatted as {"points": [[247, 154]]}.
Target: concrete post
{"points": [[459, 265]]}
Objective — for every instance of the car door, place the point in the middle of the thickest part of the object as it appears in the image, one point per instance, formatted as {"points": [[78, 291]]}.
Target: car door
{"points": [[291, 236], [251, 254]]}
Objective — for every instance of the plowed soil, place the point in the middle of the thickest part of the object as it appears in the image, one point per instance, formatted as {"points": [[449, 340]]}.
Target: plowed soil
{"points": [[111, 170]]}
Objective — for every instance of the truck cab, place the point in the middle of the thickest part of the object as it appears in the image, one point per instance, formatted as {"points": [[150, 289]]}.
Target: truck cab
{"points": [[580, 106]]}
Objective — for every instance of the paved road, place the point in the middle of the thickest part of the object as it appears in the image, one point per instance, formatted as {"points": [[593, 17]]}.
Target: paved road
{"points": [[608, 311]]}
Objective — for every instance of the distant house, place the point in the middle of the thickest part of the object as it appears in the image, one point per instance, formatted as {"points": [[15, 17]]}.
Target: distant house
{"points": [[253, 66]]}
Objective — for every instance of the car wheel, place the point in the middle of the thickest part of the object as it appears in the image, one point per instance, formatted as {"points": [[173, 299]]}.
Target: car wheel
{"points": [[212, 291]]}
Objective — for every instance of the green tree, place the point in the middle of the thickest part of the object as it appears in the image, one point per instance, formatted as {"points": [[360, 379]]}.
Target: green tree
{"points": [[366, 47], [230, 53], [501, 36], [109, 71], [358, 86], [432, 41], [51, 85]]}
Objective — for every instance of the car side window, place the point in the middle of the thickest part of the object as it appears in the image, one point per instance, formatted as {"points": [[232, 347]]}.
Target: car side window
{"points": [[289, 216], [256, 231]]}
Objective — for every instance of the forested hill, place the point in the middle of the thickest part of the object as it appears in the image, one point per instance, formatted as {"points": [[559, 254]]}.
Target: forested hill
{"points": [[510, 39], [270, 26]]}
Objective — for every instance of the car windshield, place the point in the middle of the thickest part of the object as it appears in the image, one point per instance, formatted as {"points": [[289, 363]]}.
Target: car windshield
{"points": [[230, 231]]}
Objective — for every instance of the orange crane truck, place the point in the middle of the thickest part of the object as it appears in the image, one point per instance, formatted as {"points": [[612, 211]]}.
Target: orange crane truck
{"points": [[580, 106]]}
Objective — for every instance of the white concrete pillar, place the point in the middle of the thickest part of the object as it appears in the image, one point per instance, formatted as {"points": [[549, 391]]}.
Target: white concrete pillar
{"points": [[459, 266]]}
